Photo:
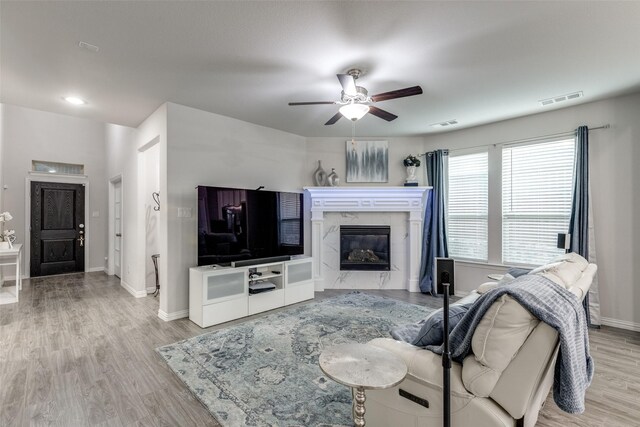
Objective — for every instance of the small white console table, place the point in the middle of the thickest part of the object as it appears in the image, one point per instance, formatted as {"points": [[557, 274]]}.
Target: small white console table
{"points": [[13, 256]]}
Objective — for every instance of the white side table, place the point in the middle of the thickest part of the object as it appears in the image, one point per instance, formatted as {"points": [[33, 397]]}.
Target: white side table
{"points": [[13, 256], [362, 367]]}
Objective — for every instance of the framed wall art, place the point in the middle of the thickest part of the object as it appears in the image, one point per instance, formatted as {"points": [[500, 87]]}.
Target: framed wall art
{"points": [[367, 161]]}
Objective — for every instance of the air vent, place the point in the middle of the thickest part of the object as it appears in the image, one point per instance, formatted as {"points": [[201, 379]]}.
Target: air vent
{"points": [[88, 46], [445, 123], [561, 98]]}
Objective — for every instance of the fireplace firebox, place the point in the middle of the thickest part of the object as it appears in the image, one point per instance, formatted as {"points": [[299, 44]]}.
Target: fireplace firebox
{"points": [[365, 247]]}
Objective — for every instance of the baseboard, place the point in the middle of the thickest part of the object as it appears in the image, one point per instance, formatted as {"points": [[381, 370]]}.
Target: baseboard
{"points": [[622, 324], [461, 294], [95, 269], [167, 317], [151, 290], [137, 294]]}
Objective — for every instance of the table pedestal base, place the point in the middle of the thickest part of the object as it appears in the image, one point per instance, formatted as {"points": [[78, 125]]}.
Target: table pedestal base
{"points": [[358, 406]]}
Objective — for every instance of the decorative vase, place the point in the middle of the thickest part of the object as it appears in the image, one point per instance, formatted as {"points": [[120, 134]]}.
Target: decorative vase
{"points": [[411, 174], [5, 245], [333, 179], [320, 176]]}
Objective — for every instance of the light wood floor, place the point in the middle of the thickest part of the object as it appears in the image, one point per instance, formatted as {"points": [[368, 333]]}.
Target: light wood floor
{"points": [[78, 350]]}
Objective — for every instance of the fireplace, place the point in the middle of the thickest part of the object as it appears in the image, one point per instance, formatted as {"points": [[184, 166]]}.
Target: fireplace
{"points": [[365, 247]]}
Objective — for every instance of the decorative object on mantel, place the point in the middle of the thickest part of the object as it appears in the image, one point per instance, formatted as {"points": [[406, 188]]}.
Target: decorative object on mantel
{"points": [[7, 237], [320, 176], [367, 161], [156, 198], [333, 180], [411, 162]]}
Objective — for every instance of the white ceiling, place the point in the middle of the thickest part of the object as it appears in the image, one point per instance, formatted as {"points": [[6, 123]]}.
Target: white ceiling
{"points": [[477, 62]]}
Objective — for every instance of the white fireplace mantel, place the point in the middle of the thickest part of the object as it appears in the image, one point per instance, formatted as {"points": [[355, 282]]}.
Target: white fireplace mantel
{"points": [[368, 199]]}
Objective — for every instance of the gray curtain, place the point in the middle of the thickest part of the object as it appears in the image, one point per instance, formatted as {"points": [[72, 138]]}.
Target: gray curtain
{"points": [[580, 224], [434, 239]]}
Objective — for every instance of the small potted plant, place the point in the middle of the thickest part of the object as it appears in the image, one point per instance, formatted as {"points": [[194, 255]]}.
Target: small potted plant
{"points": [[7, 237], [411, 162]]}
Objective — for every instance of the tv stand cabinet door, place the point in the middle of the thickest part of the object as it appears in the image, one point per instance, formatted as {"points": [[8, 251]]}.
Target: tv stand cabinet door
{"points": [[224, 286], [299, 281]]}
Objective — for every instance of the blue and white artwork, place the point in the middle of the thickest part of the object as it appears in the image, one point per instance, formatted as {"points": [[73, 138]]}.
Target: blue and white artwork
{"points": [[367, 161]]}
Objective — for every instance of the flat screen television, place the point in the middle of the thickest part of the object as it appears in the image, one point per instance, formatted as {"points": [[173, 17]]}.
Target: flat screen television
{"points": [[237, 225]]}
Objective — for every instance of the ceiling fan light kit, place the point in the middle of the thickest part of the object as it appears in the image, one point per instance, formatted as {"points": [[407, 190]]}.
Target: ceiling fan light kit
{"points": [[355, 100], [353, 111]]}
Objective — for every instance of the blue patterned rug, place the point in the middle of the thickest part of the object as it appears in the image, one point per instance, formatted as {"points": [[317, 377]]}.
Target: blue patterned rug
{"points": [[265, 372]]}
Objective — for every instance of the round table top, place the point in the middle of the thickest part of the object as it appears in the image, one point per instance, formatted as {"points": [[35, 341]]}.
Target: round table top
{"points": [[363, 365]]}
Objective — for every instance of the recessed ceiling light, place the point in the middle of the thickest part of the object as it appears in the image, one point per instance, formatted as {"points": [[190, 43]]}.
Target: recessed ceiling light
{"points": [[75, 100]]}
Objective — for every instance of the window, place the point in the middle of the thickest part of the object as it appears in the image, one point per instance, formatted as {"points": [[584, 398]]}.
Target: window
{"points": [[536, 200], [289, 216], [467, 229], [57, 168]]}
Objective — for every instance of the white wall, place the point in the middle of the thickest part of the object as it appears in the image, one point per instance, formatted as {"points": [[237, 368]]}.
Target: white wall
{"points": [[615, 182], [28, 135], [332, 153], [209, 149], [151, 216]]}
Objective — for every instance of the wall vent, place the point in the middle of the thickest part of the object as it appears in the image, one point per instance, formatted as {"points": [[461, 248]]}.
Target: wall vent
{"points": [[88, 46], [561, 98], [445, 123]]}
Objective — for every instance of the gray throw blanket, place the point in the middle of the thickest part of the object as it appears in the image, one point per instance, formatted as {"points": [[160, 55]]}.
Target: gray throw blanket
{"points": [[555, 306]]}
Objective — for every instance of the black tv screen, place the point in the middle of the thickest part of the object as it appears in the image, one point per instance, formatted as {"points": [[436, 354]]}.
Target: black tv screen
{"points": [[238, 225]]}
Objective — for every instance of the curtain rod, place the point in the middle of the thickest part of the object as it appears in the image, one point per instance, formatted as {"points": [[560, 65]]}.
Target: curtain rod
{"points": [[535, 138]]}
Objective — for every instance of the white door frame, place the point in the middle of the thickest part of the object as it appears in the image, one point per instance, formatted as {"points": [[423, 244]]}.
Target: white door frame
{"points": [[111, 226], [65, 179]]}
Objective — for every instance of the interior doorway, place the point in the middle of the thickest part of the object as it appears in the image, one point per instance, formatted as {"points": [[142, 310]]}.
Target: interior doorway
{"points": [[57, 222], [115, 227]]}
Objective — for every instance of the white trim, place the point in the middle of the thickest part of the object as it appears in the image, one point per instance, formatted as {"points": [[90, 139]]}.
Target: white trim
{"points": [[63, 179], [622, 324], [95, 269], [151, 290], [167, 317], [11, 278], [461, 294], [129, 288]]}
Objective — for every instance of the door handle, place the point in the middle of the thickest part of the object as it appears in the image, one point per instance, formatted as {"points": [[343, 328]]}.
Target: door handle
{"points": [[81, 240], [118, 235]]}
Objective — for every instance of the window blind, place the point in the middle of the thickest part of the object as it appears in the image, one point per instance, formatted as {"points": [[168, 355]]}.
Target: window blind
{"points": [[536, 200], [289, 215], [467, 208]]}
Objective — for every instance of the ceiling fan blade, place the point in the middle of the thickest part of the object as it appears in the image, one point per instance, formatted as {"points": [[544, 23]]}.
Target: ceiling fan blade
{"points": [[400, 93], [348, 84], [382, 114], [334, 119], [312, 103]]}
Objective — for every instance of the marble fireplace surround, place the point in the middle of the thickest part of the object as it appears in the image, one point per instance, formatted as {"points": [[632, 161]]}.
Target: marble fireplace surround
{"points": [[352, 200]]}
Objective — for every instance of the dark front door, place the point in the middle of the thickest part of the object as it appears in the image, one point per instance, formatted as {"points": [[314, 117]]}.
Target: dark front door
{"points": [[57, 228]]}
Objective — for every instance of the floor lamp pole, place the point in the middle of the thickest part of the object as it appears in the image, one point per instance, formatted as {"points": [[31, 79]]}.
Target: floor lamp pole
{"points": [[446, 356]]}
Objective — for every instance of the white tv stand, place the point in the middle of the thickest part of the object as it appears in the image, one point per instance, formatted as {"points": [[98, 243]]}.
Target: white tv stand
{"points": [[220, 294]]}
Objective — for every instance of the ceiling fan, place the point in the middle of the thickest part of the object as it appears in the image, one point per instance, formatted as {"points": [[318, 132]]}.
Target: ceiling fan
{"points": [[355, 99]]}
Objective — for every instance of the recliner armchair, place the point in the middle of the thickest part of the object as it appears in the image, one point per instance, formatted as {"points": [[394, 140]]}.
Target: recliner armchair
{"points": [[503, 382]]}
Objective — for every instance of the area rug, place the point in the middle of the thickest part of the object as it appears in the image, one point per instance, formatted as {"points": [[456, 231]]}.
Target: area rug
{"points": [[265, 372]]}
